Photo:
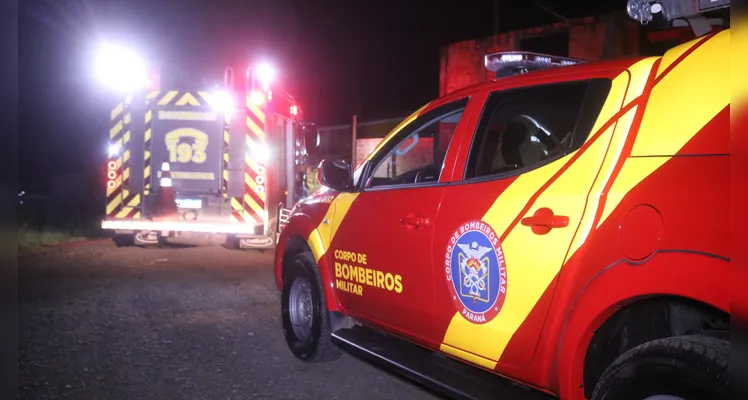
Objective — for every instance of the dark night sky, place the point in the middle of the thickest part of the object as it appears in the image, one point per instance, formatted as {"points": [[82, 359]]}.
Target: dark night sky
{"points": [[378, 59]]}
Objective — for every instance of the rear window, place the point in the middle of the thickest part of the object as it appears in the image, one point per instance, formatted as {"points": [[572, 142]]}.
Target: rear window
{"points": [[522, 129]]}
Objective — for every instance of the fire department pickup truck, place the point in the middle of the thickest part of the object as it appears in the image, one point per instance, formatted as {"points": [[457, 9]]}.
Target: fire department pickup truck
{"points": [[554, 233]]}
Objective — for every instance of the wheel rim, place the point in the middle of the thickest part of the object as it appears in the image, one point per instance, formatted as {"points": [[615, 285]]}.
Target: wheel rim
{"points": [[300, 308], [663, 397]]}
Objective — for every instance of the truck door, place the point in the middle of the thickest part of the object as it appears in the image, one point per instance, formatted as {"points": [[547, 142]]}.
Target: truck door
{"points": [[381, 254], [505, 227], [187, 133]]}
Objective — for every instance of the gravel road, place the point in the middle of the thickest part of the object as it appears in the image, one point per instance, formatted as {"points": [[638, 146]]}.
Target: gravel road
{"points": [[101, 322]]}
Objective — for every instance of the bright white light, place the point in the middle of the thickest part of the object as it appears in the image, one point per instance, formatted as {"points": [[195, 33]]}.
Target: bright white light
{"points": [[120, 69], [260, 152], [165, 182], [265, 74], [222, 101], [257, 98], [114, 149], [165, 167]]}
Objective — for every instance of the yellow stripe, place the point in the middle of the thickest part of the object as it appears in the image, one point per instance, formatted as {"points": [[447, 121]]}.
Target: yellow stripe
{"points": [[117, 183], [253, 165], [225, 174], [698, 100], [253, 185], [169, 96], [125, 175], [117, 111], [255, 129], [130, 205], [226, 136], [530, 273], [186, 99], [204, 97], [148, 116], [128, 118], [126, 137], [137, 215], [397, 129], [152, 94], [256, 110], [147, 172], [620, 130], [116, 129], [226, 157], [126, 156], [113, 205], [236, 205], [319, 240], [254, 206]]}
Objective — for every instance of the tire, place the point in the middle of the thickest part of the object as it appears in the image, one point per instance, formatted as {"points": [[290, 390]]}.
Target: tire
{"points": [[316, 345], [124, 240], [685, 367]]}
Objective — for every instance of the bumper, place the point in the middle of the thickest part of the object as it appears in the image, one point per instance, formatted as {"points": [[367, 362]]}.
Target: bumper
{"points": [[178, 226]]}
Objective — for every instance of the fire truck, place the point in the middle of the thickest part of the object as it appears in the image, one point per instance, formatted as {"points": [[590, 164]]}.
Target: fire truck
{"points": [[188, 161]]}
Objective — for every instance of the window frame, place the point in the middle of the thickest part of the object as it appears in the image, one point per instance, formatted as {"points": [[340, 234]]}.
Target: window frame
{"points": [[595, 96], [385, 151]]}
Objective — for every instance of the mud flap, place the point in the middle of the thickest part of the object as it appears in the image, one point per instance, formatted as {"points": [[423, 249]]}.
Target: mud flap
{"points": [[259, 242]]}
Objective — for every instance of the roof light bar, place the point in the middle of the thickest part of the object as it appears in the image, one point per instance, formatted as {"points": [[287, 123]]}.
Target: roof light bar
{"points": [[507, 63]]}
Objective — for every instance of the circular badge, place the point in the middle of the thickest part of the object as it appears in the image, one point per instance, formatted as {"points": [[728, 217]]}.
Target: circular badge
{"points": [[476, 271]]}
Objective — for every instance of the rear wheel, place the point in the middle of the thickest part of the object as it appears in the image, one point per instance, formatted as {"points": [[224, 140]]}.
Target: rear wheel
{"points": [[675, 368], [304, 315]]}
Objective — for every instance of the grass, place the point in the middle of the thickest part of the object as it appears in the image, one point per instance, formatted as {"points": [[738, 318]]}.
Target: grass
{"points": [[33, 239]]}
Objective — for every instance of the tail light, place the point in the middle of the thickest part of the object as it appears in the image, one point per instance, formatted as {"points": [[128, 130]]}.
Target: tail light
{"points": [[111, 174]]}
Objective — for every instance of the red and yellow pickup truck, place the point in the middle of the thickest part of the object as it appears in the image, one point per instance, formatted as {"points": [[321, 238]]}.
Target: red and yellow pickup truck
{"points": [[559, 232]]}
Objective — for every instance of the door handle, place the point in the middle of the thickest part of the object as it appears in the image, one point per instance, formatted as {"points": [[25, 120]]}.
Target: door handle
{"points": [[414, 221], [543, 221]]}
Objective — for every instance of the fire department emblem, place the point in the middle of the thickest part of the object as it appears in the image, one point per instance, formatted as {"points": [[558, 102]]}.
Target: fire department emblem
{"points": [[476, 271]]}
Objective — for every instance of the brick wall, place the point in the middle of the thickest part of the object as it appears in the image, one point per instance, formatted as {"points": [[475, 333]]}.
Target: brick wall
{"points": [[592, 38]]}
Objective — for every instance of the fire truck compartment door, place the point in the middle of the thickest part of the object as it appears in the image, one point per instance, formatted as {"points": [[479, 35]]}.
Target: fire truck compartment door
{"points": [[191, 142]]}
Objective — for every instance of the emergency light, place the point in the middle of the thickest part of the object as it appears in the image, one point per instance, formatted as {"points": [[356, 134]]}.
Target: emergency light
{"points": [[507, 63], [120, 68]]}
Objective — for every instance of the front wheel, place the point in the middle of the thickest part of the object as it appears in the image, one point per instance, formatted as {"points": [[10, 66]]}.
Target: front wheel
{"points": [[304, 315], [674, 368]]}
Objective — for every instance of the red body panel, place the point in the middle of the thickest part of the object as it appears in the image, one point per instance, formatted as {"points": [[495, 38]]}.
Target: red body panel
{"points": [[656, 241]]}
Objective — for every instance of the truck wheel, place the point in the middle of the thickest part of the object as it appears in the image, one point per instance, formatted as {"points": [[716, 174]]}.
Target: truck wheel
{"points": [[674, 368], [304, 315], [124, 240]]}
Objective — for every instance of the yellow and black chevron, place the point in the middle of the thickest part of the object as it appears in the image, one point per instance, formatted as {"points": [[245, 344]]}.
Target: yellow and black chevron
{"points": [[120, 202], [251, 207], [225, 171], [156, 99]]}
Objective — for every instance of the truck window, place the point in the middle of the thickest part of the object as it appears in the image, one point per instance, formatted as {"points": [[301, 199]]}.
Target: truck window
{"points": [[418, 154], [525, 128]]}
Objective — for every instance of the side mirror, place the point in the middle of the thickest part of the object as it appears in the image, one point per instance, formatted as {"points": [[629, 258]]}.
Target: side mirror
{"points": [[336, 175], [311, 136]]}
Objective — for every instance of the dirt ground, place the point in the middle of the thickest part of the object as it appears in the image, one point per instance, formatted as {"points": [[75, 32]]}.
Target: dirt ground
{"points": [[101, 322]]}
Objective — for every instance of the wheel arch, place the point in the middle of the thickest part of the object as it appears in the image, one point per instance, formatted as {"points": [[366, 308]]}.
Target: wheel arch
{"points": [[685, 276], [646, 319], [295, 244]]}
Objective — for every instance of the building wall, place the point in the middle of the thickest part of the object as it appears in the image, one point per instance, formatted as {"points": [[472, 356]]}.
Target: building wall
{"points": [[592, 38]]}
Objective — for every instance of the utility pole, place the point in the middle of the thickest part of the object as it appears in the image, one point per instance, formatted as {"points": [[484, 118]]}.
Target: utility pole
{"points": [[353, 145]]}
